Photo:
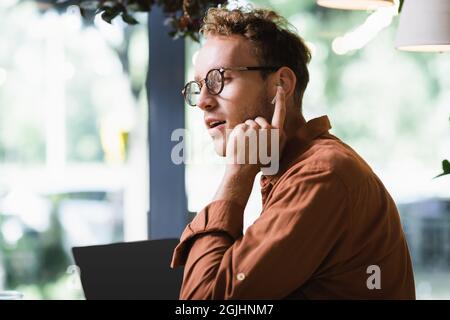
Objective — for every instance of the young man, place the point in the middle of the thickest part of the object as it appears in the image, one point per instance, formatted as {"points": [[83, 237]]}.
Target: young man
{"points": [[328, 229]]}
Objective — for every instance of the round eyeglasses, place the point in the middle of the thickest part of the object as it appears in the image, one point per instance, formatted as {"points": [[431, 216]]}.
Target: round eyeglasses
{"points": [[214, 83]]}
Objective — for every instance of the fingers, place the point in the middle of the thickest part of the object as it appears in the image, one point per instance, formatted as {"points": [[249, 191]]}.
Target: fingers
{"points": [[262, 123], [241, 126], [257, 123], [252, 124], [279, 113]]}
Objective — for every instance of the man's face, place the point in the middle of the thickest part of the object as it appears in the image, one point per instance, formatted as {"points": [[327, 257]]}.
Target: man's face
{"points": [[245, 93]]}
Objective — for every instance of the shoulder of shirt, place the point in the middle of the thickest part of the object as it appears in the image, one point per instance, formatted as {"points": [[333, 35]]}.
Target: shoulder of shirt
{"points": [[332, 157]]}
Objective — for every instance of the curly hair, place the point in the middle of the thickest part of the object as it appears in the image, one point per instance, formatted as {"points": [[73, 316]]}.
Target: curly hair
{"points": [[274, 43]]}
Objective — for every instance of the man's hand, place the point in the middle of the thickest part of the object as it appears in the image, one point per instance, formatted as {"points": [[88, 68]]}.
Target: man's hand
{"points": [[245, 148], [239, 176]]}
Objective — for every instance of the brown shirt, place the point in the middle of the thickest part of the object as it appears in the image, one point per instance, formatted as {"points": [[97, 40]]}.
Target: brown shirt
{"points": [[326, 220]]}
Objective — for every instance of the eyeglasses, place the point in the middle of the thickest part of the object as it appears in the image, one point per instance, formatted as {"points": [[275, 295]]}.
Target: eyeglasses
{"points": [[214, 83]]}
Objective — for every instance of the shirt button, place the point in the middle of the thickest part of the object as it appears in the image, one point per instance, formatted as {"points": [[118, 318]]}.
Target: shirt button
{"points": [[240, 276]]}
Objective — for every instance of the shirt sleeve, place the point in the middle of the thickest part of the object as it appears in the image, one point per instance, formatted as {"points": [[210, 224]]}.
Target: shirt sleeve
{"points": [[299, 226]]}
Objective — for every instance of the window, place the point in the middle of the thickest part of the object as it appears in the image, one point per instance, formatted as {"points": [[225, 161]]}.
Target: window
{"points": [[73, 142]]}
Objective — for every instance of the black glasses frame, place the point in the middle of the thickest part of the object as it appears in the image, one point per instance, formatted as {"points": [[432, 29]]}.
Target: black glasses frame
{"points": [[221, 72]]}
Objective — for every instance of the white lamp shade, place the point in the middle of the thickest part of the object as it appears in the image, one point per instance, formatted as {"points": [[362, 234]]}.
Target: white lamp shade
{"points": [[424, 26], [355, 4]]}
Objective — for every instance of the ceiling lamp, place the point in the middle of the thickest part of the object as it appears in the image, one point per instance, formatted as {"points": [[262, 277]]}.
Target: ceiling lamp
{"points": [[356, 4], [424, 26]]}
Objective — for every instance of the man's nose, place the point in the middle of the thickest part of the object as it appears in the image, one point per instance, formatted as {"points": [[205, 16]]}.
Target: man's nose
{"points": [[206, 101]]}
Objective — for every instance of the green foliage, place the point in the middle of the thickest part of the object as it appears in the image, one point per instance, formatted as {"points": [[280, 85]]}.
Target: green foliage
{"points": [[401, 5], [445, 168], [183, 16], [37, 258]]}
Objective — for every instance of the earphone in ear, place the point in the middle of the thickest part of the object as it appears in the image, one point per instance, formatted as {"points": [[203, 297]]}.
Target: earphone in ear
{"points": [[275, 98]]}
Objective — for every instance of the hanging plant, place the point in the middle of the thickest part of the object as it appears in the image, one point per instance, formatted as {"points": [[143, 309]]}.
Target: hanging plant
{"points": [[184, 17], [400, 6], [445, 168]]}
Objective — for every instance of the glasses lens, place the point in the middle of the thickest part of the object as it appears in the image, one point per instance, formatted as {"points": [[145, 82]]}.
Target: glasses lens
{"points": [[214, 81], [192, 92]]}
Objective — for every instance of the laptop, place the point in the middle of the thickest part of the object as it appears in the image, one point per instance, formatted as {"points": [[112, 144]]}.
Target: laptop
{"points": [[129, 270]]}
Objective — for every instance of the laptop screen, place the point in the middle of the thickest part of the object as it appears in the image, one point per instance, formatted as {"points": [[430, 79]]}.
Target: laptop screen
{"points": [[129, 270]]}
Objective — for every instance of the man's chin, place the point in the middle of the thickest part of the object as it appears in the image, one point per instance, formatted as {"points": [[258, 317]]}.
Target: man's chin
{"points": [[220, 147]]}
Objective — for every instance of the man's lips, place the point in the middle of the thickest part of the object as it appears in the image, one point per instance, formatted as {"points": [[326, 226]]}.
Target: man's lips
{"points": [[213, 122], [217, 128]]}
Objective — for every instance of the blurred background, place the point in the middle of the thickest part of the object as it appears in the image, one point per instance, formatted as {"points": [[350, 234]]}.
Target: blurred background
{"points": [[74, 145]]}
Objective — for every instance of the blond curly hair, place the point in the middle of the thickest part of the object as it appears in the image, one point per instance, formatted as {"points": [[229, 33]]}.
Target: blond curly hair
{"points": [[275, 43]]}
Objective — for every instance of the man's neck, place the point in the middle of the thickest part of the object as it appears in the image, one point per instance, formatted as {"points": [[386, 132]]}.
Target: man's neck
{"points": [[294, 122]]}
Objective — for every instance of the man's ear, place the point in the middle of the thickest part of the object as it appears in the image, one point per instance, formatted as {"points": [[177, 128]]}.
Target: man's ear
{"points": [[284, 77], [287, 79]]}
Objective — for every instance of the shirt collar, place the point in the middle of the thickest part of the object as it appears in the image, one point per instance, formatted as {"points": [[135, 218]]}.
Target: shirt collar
{"points": [[297, 145]]}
